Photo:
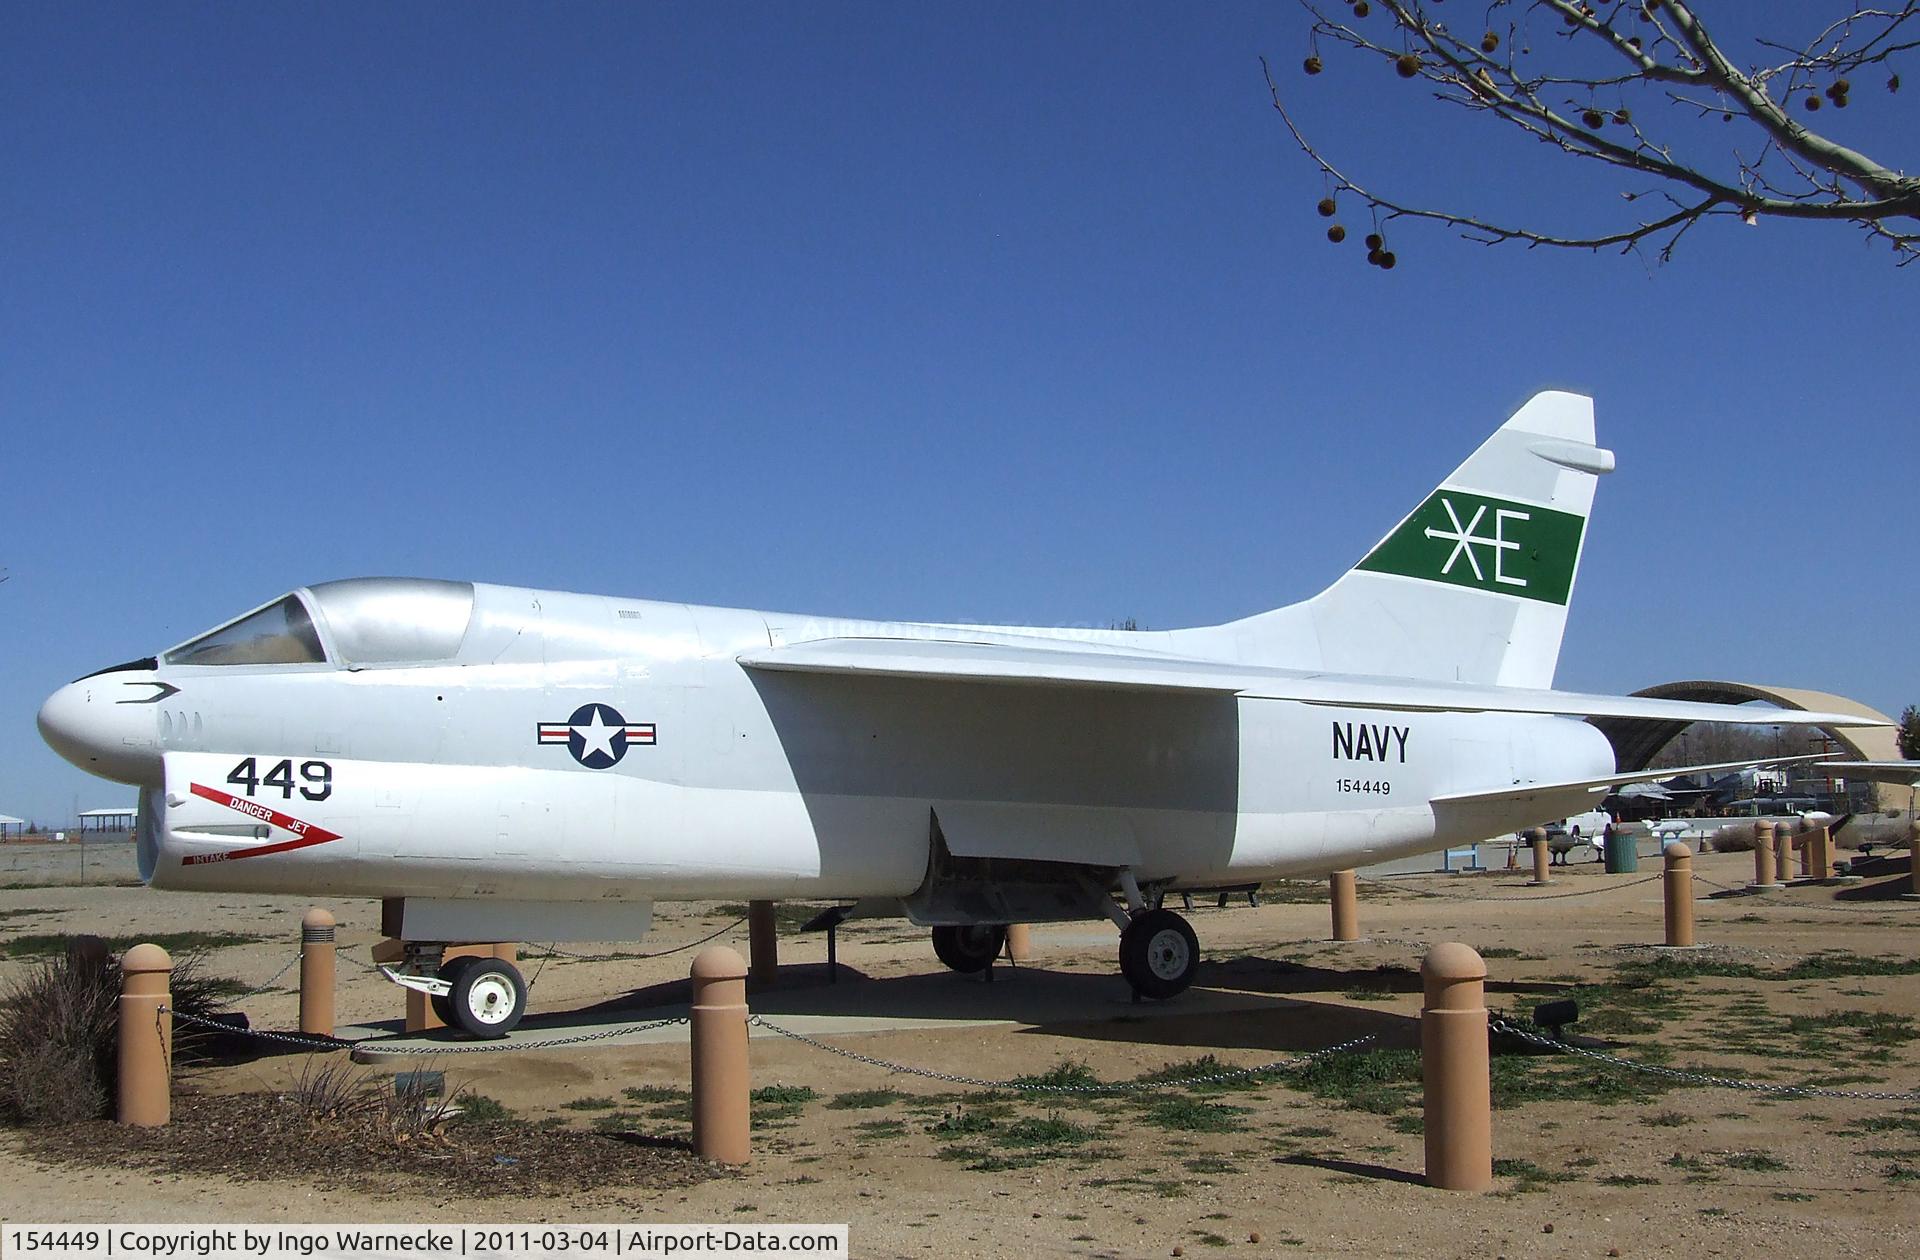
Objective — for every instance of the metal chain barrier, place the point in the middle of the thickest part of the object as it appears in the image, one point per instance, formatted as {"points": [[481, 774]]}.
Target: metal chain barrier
{"points": [[1692, 1078], [1041, 1087], [269, 982], [488, 1047], [665, 953], [1440, 896], [302, 1040], [1827, 907]]}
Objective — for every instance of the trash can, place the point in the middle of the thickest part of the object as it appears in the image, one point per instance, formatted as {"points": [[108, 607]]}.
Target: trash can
{"points": [[1623, 853]]}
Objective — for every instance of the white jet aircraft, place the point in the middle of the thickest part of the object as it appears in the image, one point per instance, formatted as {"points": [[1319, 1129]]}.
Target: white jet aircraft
{"points": [[507, 764]]}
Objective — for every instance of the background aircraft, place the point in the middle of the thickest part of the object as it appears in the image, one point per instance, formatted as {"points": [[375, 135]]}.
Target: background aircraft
{"points": [[507, 764]]}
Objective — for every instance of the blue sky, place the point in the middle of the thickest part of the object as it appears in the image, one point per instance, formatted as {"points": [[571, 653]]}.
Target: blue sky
{"points": [[983, 312]]}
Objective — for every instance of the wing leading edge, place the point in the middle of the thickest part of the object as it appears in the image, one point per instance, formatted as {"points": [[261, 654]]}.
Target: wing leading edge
{"points": [[1045, 663]]}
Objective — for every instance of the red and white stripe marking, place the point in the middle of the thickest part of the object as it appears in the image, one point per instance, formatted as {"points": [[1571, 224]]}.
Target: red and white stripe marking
{"points": [[305, 834]]}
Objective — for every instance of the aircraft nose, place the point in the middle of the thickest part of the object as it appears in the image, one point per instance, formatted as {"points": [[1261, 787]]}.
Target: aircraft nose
{"points": [[82, 723]]}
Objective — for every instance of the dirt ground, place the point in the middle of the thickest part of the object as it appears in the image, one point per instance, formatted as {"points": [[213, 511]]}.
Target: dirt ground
{"points": [[1812, 985]]}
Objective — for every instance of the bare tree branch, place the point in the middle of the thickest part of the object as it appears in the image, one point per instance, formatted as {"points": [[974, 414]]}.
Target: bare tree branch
{"points": [[1562, 96]]}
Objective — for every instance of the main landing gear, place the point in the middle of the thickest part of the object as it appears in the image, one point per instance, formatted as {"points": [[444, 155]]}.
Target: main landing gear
{"points": [[969, 948], [481, 997], [1159, 953]]}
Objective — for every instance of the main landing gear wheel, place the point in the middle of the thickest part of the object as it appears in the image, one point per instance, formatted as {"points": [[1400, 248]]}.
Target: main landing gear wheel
{"points": [[1159, 954], [488, 997], [970, 948]]}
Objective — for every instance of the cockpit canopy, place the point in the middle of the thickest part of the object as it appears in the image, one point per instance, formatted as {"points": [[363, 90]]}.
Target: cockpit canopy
{"points": [[361, 621]]}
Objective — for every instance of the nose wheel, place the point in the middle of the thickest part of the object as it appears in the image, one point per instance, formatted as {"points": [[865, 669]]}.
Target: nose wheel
{"points": [[481, 997], [1159, 954], [487, 997]]}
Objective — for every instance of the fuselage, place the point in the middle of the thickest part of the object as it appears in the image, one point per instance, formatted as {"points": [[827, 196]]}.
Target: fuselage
{"points": [[453, 741]]}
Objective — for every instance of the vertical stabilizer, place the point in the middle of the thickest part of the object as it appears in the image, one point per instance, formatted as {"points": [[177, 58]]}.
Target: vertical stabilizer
{"points": [[1473, 584]]}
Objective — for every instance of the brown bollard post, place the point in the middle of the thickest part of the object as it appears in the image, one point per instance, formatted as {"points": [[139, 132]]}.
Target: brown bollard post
{"points": [[1820, 845], [1763, 855], [316, 973], [1346, 907], [763, 944], [1019, 943], [146, 1037], [1679, 887], [1782, 854], [1455, 1069], [1542, 856], [1802, 843], [721, 1086]]}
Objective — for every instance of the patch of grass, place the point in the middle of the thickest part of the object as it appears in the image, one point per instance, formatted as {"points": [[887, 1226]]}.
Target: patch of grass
{"points": [[1529, 1176], [962, 1123], [1186, 1114], [1628, 1179], [1666, 1120], [1408, 1122], [1368, 995], [1901, 1173], [1066, 1074], [589, 1104], [865, 1099], [1873, 1028], [1053, 1131], [55, 944], [480, 1109], [1791, 1196], [1377, 1081], [1210, 1164], [1754, 1161], [788, 916], [1498, 951], [1187, 1072], [784, 1095], [653, 1093]]}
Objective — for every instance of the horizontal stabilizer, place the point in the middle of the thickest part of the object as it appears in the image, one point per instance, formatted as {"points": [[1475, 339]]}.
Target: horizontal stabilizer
{"points": [[1039, 662], [1610, 781]]}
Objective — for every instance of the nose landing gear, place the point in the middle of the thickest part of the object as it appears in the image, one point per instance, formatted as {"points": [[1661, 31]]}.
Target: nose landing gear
{"points": [[481, 997]]}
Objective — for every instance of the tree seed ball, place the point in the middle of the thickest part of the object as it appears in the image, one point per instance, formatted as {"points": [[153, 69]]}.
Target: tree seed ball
{"points": [[1311, 65], [1407, 65], [1374, 241], [1362, 9], [1813, 104], [1842, 86], [1373, 258], [1489, 42], [1326, 207], [1336, 234], [1593, 118], [1622, 117], [1387, 260]]}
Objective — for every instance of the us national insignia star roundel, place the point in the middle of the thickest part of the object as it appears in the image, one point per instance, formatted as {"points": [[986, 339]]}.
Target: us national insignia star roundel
{"points": [[596, 735]]}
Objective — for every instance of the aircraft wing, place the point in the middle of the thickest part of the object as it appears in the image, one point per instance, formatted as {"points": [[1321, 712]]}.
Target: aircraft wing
{"points": [[1907, 772], [1606, 782], [1053, 663]]}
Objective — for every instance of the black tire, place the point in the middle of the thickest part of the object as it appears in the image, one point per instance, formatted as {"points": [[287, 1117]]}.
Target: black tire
{"points": [[1159, 954], [488, 998], [969, 948], [450, 972]]}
